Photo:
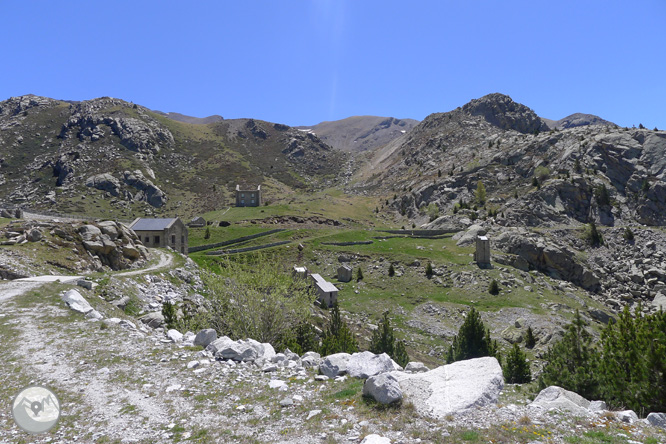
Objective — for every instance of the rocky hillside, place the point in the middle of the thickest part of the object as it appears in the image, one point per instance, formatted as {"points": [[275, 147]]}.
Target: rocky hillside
{"points": [[533, 176], [178, 117], [107, 156], [362, 133]]}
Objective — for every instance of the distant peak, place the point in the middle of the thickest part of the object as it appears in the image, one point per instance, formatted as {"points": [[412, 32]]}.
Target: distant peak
{"points": [[501, 111]]}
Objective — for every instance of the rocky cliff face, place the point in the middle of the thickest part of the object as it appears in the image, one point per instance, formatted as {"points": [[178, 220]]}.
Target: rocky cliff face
{"points": [[108, 156], [532, 177]]}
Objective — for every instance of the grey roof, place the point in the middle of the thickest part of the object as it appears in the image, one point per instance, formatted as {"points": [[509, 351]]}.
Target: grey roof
{"points": [[326, 286], [317, 277], [152, 224]]}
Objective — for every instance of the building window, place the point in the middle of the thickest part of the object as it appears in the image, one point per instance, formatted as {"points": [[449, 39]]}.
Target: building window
{"points": [[182, 241], [252, 195], [252, 201], [147, 240], [242, 195], [173, 239], [242, 202], [157, 240]]}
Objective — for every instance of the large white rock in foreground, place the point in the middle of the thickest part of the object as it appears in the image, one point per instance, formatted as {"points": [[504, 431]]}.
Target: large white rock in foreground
{"points": [[453, 388]]}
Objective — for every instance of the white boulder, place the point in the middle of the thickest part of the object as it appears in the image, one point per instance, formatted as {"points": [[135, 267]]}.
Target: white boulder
{"points": [[557, 398], [657, 419], [366, 364], [375, 439], [416, 367], [383, 388], [205, 337], [174, 335], [453, 388], [76, 302], [334, 365]]}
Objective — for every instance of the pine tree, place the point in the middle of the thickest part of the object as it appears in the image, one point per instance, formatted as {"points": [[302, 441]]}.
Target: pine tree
{"points": [[572, 362], [304, 340], [170, 315], [359, 274], [516, 368], [338, 338], [207, 234], [391, 271], [480, 193], [428, 270], [593, 235], [472, 341], [383, 341], [493, 288], [535, 182], [602, 195], [628, 234], [530, 341]]}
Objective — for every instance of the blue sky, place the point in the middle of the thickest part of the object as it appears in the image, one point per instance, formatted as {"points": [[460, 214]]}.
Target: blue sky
{"points": [[302, 62]]}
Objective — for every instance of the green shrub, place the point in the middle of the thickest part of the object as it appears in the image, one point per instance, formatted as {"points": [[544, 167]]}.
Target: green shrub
{"points": [[541, 173], [359, 274], [207, 234], [480, 193], [338, 338], [391, 271], [628, 235], [472, 341], [493, 288], [383, 341], [516, 368], [530, 341], [602, 195], [259, 300], [593, 235], [170, 314], [428, 270]]}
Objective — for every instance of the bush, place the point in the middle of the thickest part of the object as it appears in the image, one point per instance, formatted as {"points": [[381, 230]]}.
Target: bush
{"points": [[572, 362], [530, 341], [391, 271], [383, 341], [338, 338], [593, 235], [304, 340], [628, 235], [602, 195], [493, 288], [516, 368], [472, 341], [535, 182], [428, 270], [257, 300], [359, 274], [480, 193], [170, 315], [541, 173], [627, 367], [433, 211], [207, 234]]}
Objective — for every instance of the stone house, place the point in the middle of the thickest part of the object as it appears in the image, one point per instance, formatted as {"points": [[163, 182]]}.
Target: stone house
{"points": [[300, 272], [345, 273], [248, 197], [161, 233], [327, 293]]}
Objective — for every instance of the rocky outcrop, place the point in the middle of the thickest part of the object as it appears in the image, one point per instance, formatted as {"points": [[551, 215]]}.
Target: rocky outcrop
{"points": [[90, 123], [501, 111], [105, 182], [554, 397], [530, 252], [147, 191], [113, 243], [366, 364]]}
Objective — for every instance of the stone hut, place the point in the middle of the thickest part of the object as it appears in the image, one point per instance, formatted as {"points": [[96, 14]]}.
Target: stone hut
{"points": [[300, 272], [327, 293], [161, 233], [482, 253], [197, 222], [248, 196], [345, 273]]}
